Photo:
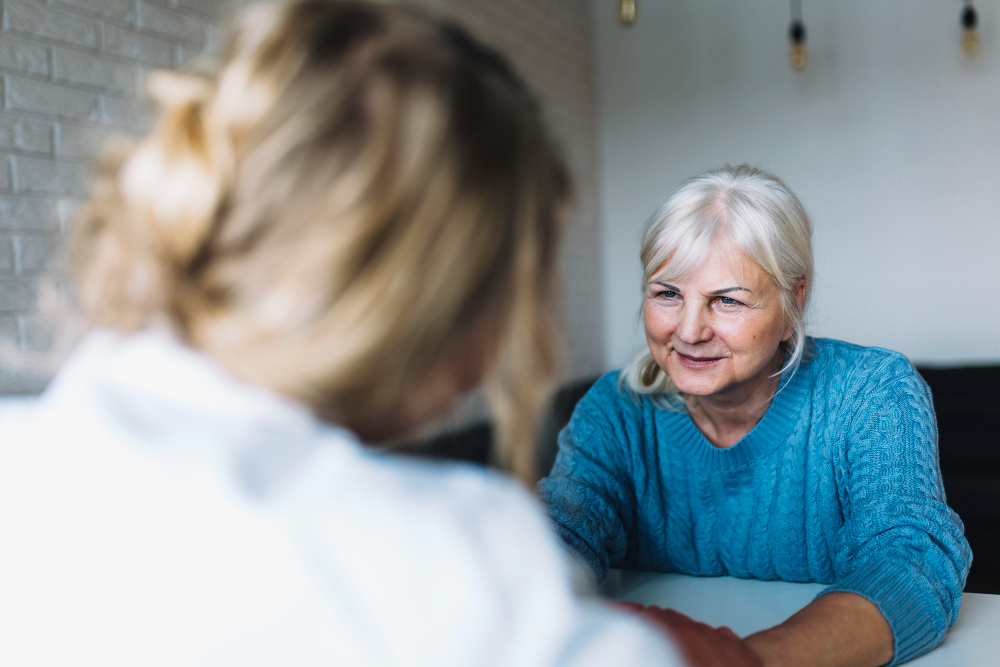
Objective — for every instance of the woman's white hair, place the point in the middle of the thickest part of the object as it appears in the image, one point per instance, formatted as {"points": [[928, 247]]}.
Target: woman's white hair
{"points": [[758, 215]]}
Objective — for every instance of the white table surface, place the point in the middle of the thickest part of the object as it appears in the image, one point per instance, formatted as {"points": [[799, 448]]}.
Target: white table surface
{"points": [[747, 606]]}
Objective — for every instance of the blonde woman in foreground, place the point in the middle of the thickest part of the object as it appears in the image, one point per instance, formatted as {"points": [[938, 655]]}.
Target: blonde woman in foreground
{"points": [[326, 243]]}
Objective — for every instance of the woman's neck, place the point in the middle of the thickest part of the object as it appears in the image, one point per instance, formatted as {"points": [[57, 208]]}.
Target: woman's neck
{"points": [[724, 418]]}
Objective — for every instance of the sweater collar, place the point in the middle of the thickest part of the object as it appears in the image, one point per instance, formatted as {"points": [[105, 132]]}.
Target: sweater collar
{"points": [[772, 431]]}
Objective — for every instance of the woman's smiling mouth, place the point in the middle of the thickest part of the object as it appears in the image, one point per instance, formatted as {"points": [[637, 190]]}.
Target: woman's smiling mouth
{"points": [[696, 362]]}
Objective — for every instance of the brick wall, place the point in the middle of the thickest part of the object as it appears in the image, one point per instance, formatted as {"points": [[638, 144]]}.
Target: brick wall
{"points": [[72, 73]]}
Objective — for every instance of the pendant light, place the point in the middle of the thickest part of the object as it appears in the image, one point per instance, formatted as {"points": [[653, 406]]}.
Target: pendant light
{"points": [[970, 32], [798, 57], [628, 12]]}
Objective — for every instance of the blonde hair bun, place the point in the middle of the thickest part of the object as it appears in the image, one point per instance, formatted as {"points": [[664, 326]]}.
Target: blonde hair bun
{"points": [[354, 191]]}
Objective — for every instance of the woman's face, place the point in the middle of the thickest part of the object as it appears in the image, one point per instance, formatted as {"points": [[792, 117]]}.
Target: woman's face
{"points": [[718, 328]]}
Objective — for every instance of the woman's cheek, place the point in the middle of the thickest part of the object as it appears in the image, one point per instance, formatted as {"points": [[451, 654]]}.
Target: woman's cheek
{"points": [[735, 331], [659, 322]]}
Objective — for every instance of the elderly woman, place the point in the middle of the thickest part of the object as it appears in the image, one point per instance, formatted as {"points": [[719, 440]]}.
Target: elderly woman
{"points": [[738, 446]]}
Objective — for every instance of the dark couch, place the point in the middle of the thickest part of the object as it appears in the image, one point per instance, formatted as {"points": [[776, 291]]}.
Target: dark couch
{"points": [[967, 401]]}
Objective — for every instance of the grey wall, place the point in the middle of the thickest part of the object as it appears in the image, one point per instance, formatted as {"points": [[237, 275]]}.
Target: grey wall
{"points": [[72, 73], [891, 137]]}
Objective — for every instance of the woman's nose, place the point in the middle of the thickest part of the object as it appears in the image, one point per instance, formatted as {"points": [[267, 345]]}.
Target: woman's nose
{"points": [[693, 326]]}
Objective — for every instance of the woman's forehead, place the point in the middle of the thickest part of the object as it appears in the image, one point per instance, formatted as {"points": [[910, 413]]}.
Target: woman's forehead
{"points": [[723, 263]]}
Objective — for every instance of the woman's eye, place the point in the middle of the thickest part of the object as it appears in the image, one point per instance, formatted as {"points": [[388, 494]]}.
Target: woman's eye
{"points": [[727, 301], [667, 294]]}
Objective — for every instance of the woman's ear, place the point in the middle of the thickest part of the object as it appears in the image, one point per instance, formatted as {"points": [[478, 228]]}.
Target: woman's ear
{"points": [[800, 293], [800, 299]]}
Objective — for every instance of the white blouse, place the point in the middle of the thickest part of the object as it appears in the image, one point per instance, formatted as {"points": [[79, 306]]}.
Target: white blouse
{"points": [[156, 511]]}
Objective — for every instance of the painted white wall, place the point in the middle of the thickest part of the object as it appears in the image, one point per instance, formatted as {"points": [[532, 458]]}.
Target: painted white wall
{"points": [[891, 137]]}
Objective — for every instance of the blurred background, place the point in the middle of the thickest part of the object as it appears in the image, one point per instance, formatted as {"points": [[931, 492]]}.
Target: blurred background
{"points": [[72, 75], [890, 135]]}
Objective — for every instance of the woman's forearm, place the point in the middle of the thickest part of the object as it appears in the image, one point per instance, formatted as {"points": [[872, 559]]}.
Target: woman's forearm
{"points": [[835, 629]]}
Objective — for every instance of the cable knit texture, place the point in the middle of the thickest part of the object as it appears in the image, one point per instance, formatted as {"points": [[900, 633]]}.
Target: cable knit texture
{"points": [[838, 483]]}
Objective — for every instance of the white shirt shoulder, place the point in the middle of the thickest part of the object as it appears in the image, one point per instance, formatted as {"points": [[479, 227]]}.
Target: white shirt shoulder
{"points": [[156, 512]]}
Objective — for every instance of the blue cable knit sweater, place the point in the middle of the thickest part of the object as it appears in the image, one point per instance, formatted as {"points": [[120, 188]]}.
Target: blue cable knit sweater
{"points": [[838, 483]]}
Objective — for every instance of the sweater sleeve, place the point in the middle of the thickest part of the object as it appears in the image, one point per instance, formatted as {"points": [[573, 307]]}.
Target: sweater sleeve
{"points": [[901, 546], [589, 493]]}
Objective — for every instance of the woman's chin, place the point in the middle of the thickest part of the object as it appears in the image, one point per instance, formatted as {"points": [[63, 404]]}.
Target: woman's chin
{"points": [[697, 381], [695, 384]]}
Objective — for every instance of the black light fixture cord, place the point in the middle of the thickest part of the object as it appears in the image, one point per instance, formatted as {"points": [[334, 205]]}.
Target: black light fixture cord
{"points": [[797, 29], [970, 20]]}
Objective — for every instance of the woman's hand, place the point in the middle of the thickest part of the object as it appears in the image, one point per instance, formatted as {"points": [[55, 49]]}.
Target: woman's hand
{"points": [[701, 644]]}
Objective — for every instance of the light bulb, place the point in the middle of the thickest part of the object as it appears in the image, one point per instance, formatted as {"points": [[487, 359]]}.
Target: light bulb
{"points": [[627, 12], [798, 57], [970, 42]]}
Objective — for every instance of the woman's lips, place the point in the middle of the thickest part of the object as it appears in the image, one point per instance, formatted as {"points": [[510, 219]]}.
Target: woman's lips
{"points": [[696, 362]]}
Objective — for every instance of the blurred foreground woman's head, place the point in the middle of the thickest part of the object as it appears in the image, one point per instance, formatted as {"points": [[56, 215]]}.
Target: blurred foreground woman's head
{"points": [[360, 211]]}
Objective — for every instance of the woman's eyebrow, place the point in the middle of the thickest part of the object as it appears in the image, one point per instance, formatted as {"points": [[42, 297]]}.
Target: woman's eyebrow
{"points": [[731, 289], [670, 287]]}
